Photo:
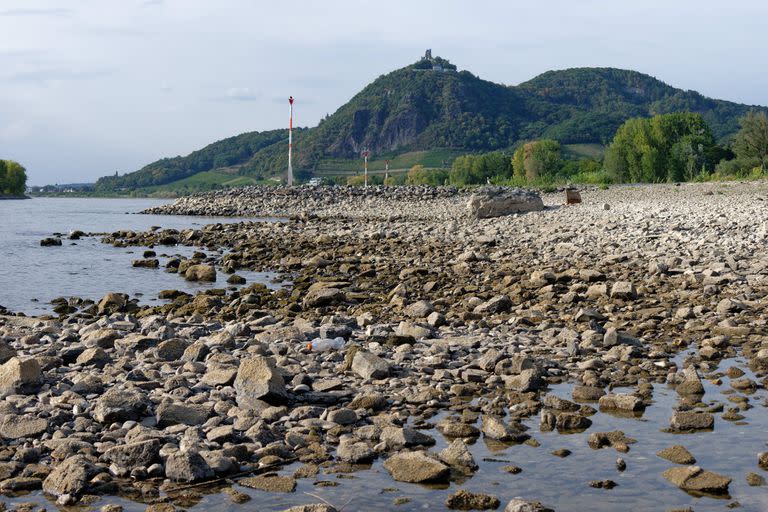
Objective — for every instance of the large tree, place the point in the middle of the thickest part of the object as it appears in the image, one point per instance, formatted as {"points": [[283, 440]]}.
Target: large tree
{"points": [[537, 158], [13, 178], [669, 147], [751, 141]]}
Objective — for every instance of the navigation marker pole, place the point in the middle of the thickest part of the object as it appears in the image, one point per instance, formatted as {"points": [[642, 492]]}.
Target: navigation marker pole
{"points": [[386, 171], [290, 142], [365, 155]]}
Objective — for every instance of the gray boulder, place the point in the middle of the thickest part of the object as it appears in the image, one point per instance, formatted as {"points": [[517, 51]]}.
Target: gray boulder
{"points": [[118, 404], [15, 426], [131, 455], [258, 379], [497, 201], [70, 477], [354, 451], [369, 366], [19, 376], [692, 420], [187, 466], [174, 413], [457, 454], [416, 467], [206, 273]]}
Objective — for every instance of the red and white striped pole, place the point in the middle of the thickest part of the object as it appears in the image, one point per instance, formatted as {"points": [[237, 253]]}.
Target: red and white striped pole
{"points": [[365, 155], [290, 141]]}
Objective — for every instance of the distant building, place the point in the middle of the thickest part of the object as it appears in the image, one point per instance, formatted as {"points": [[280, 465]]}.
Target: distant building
{"points": [[430, 63]]}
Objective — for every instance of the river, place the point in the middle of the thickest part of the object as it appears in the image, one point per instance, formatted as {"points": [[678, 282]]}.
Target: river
{"points": [[31, 275]]}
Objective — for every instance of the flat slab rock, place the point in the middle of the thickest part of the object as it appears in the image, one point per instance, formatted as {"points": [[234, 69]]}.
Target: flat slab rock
{"points": [[270, 483], [490, 202], [416, 467], [677, 454], [695, 479]]}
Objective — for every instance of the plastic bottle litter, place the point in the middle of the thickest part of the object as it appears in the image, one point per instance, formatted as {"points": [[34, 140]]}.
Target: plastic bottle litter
{"points": [[326, 344]]}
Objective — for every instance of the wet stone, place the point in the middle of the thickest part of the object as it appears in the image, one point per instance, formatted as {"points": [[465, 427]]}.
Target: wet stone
{"points": [[693, 478], [416, 467], [465, 500], [269, 483], [677, 454], [691, 420]]}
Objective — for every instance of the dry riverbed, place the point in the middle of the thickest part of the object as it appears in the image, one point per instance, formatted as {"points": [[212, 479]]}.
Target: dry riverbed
{"points": [[610, 355]]}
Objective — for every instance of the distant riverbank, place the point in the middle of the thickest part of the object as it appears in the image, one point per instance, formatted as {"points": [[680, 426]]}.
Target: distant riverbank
{"points": [[15, 197]]}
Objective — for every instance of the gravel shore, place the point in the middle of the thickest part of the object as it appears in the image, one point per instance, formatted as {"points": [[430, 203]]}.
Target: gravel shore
{"points": [[442, 314]]}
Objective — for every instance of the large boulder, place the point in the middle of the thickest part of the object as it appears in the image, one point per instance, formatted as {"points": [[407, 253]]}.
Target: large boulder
{"points": [[527, 380], [498, 304], [14, 426], [493, 427], [398, 437], [118, 404], [206, 273], [258, 380], [102, 338], [95, 356], [70, 477], [690, 383], [497, 201], [132, 455], [187, 466], [353, 451], [695, 479], [323, 296], [678, 454], [692, 420], [457, 455], [621, 402], [19, 376], [111, 302], [369, 366], [416, 467], [174, 413]]}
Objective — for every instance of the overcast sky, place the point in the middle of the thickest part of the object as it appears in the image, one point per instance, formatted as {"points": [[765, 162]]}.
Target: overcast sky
{"points": [[90, 87]]}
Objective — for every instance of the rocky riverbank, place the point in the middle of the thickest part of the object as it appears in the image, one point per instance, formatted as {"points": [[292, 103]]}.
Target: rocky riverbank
{"points": [[380, 203], [452, 322]]}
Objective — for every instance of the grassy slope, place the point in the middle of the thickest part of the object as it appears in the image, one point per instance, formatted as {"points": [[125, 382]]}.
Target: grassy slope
{"points": [[201, 181]]}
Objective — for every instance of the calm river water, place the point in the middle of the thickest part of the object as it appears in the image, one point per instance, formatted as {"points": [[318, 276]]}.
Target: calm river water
{"points": [[31, 275]]}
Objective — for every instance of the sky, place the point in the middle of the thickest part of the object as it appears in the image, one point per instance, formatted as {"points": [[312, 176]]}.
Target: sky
{"points": [[93, 87]]}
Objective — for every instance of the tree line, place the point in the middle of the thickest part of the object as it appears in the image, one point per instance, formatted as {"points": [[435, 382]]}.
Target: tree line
{"points": [[13, 178], [664, 148]]}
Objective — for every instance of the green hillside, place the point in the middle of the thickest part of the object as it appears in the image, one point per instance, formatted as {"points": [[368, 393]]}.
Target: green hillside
{"points": [[226, 153], [432, 112]]}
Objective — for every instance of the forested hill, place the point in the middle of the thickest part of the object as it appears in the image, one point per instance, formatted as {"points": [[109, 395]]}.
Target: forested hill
{"points": [[225, 153], [429, 105]]}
